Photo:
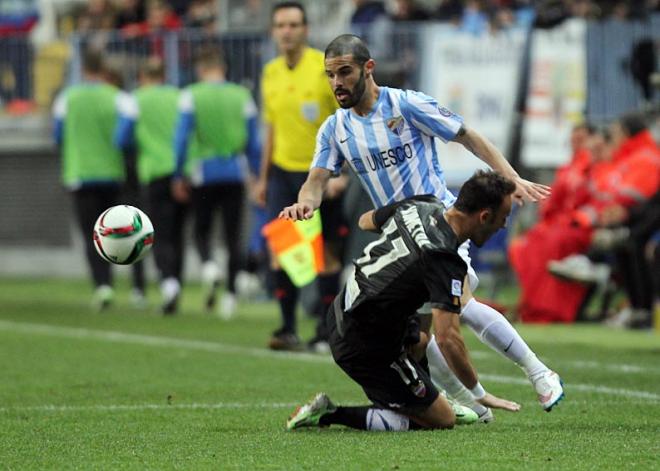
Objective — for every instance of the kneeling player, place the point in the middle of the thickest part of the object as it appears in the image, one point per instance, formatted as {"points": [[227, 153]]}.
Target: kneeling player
{"points": [[415, 260]]}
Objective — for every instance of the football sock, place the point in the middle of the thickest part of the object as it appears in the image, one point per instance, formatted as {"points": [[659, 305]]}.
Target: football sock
{"points": [[494, 330], [367, 418], [444, 378], [287, 296], [170, 288], [354, 417]]}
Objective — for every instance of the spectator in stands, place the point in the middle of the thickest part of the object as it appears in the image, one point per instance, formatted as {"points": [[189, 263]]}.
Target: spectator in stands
{"points": [[450, 10], [159, 18], [217, 126], [92, 168], [202, 14], [409, 10], [17, 18], [475, 17], [148, 126], [98, 16], [130, 12]]}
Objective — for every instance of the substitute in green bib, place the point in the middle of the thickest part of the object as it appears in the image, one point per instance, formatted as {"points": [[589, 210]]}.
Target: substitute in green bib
{"points": [[85, 119], [148, 126], [215, 133]]}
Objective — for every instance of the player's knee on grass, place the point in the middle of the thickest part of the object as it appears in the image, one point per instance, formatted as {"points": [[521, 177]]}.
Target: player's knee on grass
{"points": [[438, 415]]}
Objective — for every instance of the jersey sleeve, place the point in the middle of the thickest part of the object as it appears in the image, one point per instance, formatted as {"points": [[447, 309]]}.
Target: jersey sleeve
{"points": [[127, 106], [424, 112], [266, 107], [382, 214], [327, 154], [444, 273]]}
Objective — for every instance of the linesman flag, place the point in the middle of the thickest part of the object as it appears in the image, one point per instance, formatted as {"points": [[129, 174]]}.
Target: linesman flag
{"points": [[298, 246]]}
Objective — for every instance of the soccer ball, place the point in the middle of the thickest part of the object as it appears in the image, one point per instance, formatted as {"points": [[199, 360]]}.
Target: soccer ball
{"points": [[123, 235]]}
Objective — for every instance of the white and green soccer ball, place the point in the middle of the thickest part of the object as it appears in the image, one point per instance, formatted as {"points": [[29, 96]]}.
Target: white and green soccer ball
{"points": [[123, 235]]}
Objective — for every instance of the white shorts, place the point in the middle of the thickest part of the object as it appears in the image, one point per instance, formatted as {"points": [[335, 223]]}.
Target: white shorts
{"points": [[473, 280]]}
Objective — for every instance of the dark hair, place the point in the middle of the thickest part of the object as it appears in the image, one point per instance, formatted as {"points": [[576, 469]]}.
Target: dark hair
{"points": [[283, 5], [586, 125], [92, 61], [210, 56], [348, 44], [632, 123], [153, 68], [484, 190]]}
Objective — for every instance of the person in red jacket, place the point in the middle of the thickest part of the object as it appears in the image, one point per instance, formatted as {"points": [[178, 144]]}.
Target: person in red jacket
{"points": [[631, 176]]}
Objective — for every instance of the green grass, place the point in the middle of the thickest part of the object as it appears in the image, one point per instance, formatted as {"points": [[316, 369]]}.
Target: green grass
{"points": [[131, 390]]}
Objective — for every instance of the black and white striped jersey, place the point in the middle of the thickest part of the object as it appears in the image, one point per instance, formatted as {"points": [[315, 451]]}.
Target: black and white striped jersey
{"points": [[414, 261]]}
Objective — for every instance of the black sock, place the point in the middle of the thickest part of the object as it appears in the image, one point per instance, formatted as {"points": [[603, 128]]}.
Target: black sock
{"points": [[287, 296], [354, 417], [328, 289]]}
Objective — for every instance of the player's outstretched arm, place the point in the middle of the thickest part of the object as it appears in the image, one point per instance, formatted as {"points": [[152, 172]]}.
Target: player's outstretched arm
{"points": [[480, 146], [309, 197], [450, 340]]}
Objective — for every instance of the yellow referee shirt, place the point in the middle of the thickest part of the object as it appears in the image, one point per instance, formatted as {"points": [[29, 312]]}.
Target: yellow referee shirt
{"points": [[296, 102]]}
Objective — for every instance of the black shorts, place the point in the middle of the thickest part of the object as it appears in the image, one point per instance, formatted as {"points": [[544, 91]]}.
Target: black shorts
{"points": [[282, 191], [390, 378]]}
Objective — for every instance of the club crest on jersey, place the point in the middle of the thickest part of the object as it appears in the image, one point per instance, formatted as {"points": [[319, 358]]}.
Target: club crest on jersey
{"points": [[456, 287], [395, 124]]}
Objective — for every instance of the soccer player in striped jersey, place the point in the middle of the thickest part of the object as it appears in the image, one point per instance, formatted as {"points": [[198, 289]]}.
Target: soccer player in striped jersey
{"points": [[391, 139]]}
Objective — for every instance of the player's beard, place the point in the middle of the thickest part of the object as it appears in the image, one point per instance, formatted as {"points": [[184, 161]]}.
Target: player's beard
{"points": [[356, 94]]}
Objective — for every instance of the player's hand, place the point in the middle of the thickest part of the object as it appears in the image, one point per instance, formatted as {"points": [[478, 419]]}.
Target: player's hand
{"points": [[529, 191], [259, 192], [180, 190], [298, 211], [495, 402]]}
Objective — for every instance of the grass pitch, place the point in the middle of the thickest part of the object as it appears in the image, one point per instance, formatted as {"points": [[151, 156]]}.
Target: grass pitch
{"points": [[128, 389]]}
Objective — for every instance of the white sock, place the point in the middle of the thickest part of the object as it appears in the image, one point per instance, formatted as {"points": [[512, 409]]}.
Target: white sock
{"points": [[386, 420], [494, 330], [169, 288], [444, 378]]}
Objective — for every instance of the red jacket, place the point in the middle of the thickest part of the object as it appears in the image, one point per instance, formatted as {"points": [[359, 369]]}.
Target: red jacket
{"points": [[631, 178]]}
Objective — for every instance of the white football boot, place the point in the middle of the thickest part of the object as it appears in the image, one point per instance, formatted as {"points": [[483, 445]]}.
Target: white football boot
{"points": [[548, 386]]}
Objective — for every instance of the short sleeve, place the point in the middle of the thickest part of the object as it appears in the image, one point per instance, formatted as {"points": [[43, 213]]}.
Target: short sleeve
{"points": [[249, 108], [444, 273], [127, 106], [186, 102], [59, 106], [424, 112], [327, 154]]}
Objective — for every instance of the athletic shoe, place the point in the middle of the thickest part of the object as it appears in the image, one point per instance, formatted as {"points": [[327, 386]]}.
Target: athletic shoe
{"points": [[580, 268], [487, 417], [318, 345], [548, 386], [464, 415], [170, 288], [228, 305], [102, 298], [284, 340], [308, 415], [138, 299]]}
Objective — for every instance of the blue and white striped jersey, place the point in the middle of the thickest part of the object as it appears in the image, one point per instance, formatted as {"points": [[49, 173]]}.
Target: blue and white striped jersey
{"points": [[395, 149]]}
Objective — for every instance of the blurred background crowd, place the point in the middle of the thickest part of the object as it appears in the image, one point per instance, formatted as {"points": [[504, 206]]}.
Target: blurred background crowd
{"points": [[594, 243]]}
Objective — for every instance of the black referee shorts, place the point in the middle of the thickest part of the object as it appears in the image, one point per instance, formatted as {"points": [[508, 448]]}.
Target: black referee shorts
{"points": [[282, 191]]}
